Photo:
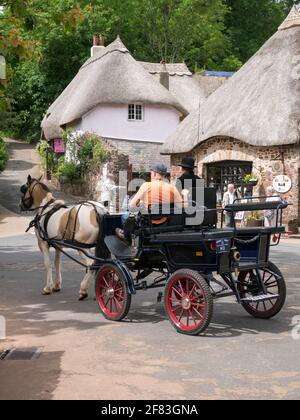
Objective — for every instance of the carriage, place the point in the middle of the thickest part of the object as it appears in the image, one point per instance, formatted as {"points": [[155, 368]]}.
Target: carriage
{"points": [[194, 264], [191, 256]]}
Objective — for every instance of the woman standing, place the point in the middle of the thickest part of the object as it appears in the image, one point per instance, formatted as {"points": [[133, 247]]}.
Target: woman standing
{"points": [[270, 215]]}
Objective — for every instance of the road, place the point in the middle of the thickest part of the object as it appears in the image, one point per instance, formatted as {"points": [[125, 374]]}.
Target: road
{"points": [[84, 356]]}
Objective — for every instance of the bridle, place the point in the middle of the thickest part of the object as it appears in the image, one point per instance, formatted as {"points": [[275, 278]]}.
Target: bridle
{"points": [[27, 202]]}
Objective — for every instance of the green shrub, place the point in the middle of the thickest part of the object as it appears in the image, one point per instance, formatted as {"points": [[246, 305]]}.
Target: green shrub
{"points": [[3, 155], [41, 149], [71, 171]]}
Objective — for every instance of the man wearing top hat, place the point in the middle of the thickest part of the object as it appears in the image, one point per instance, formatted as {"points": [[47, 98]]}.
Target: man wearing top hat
{"points": [[188, 180]]}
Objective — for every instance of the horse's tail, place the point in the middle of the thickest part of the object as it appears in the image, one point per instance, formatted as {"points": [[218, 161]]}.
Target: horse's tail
{"points": [[101, 249]]}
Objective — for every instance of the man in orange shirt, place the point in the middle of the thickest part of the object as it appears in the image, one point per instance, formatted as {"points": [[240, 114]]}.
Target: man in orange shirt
{"points": [[158, 191]]}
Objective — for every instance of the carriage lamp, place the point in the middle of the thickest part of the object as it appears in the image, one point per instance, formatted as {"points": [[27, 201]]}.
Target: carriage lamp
{"points": [[235, 255]]}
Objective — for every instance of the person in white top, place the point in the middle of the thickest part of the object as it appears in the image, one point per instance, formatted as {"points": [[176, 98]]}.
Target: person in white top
{"points": [[229, 198], [270, 215], [107, 192]]}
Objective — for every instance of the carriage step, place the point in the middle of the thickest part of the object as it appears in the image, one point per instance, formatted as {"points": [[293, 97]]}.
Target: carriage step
{"points": [[260, 298]]}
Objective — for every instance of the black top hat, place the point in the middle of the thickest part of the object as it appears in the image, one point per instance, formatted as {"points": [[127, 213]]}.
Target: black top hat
{"points": [[188, 163]]}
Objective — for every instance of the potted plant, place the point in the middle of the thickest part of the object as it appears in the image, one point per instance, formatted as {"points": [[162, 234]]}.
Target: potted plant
{"points": [[250, 180], [255, 219]]}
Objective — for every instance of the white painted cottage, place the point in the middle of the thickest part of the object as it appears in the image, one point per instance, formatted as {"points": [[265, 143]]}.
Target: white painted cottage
{"points": [[134, 105]]}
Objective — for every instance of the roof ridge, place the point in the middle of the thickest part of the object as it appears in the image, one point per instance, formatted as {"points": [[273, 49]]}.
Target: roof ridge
{"points": [[292, 19], [116, 45]]}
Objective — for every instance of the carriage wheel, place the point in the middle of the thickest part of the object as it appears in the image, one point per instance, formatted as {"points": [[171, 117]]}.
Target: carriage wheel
{"points": [[274, 283], [111, 293], [188, 302]]}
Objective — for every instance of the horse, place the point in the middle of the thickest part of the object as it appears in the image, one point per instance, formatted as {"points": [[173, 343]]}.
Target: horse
{"points": [[79, 224]]}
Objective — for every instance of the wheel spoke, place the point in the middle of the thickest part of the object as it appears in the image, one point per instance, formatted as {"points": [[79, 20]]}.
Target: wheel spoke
{"points": [[200, 305], [273, 284], [174, 300], [176, 308], [192, 316], [187, 318], [187, 286], [181, 288], [118, 303], [192, 291], [197, 312], [177, 291], [103, 278], [181, 315]]}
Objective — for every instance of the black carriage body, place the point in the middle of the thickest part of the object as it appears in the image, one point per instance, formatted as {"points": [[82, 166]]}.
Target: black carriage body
{"points": [[206, 250]]}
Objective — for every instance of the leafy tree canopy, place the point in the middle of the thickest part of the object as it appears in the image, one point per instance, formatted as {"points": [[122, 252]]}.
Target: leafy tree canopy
{"points": [[46, 42]]}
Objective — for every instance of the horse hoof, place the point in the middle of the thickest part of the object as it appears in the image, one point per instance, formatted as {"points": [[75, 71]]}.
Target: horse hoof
{"points": [[56, 289], [83, 296], [46, 292]]}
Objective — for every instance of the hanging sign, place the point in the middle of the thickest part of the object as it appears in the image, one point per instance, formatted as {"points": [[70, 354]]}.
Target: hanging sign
{"points": [[282, 184], [59, 146]]}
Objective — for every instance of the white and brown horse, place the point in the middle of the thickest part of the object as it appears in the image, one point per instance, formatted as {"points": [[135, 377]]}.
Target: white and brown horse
{"points": [[78, 223]]}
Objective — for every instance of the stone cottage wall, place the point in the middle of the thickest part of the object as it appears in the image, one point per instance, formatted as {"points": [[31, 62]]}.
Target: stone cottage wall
{"points": [[264, 165], [142, 155]]}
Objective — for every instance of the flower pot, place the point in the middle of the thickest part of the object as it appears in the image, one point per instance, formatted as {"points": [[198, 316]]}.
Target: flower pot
{"points": [[251, 183], [255, 223]]}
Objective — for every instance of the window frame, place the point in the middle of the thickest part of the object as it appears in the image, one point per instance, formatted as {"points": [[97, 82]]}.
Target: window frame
{"points": [[133, 110]]}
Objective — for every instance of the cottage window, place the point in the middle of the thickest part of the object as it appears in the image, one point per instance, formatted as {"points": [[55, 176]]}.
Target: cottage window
{"points": [[221, 174], [135, 112]]}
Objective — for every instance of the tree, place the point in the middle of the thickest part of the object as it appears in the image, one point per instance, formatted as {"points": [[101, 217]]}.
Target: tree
{"points": [[3, 155], [251, 23]]}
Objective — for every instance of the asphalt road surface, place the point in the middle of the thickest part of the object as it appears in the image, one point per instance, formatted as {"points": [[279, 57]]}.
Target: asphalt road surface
{"points": [[84, 356]]}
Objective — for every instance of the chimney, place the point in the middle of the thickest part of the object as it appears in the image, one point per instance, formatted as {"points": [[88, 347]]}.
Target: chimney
{"points": [[164, 75], [98, 45]]}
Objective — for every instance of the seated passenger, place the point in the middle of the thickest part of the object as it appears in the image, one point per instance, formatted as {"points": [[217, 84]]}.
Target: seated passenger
{"points": [[158, 191]]}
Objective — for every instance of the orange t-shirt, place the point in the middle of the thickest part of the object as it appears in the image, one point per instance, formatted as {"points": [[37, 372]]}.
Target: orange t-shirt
{"points": [[157, 192]]}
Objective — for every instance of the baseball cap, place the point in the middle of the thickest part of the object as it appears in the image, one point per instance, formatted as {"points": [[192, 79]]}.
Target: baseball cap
{"points": [[160, 168]]}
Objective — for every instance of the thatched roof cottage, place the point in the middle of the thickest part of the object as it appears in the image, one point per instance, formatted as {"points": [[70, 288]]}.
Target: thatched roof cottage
{"points": [[134, 105], [252, 122]]}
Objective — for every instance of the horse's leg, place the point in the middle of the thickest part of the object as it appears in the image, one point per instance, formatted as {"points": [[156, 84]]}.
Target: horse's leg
{"points": [[44, 247], [58, 281], [85, 284]]}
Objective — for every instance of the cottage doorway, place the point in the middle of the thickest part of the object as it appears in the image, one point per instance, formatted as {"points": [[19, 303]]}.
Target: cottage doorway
{"points": [[221, 174]]}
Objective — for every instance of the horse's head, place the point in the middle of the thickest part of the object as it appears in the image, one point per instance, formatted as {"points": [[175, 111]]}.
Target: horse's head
{"points": [[33, 193]]}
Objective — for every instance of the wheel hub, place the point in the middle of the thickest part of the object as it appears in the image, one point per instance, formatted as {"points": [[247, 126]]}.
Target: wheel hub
{"points": [[111, 292], [186, 303]]}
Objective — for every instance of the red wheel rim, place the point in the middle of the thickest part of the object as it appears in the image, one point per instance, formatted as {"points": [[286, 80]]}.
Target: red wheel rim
{"points": [[110, 292], [186, 303], [272, 288]]}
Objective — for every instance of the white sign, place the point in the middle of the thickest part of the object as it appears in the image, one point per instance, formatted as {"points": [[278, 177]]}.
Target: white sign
{"points": [[282, 184]]}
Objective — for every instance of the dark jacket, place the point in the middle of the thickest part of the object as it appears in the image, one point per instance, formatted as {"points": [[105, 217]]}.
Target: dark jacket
{"points": [[180, 184]]}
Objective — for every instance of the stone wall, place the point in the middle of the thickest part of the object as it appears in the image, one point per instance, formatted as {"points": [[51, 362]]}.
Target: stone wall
{"points": [[264, 165], [142, 155]]}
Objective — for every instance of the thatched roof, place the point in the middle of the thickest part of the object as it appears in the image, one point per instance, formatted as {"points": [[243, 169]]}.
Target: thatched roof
{"points": [[209, 84], [181, 83], [111, 77], [259, 105]]}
